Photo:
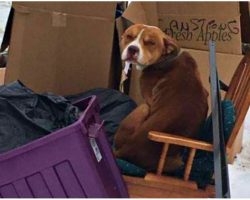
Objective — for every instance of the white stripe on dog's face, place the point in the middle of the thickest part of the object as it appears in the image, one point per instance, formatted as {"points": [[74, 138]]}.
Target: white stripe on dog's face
{"points": [[152, 26], [136, 43]]}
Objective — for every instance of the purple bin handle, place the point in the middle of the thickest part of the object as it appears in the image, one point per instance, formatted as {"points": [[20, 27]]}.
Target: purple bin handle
{"points": [[95, 129], [90, 120]]}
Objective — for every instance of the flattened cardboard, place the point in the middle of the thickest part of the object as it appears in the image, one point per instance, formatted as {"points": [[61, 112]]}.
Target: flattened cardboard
{"points": [[226, 64], [192, 24], [64, 48], [2, 75]]}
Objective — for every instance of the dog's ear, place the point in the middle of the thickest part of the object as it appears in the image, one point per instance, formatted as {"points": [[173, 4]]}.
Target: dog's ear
{"points": [[170, 46]]}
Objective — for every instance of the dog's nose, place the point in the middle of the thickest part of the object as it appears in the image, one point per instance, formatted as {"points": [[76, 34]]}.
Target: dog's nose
{"points": [[133, 49]]}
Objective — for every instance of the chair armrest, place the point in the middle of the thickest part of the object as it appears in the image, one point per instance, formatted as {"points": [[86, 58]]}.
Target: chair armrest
{"points": [[179, 140]]}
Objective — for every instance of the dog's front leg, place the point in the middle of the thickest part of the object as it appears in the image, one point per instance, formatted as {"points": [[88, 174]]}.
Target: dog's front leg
{"points": [[130, 124]]}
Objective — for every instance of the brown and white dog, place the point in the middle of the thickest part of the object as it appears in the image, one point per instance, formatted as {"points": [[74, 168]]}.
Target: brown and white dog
{"points": [[175, 100]]}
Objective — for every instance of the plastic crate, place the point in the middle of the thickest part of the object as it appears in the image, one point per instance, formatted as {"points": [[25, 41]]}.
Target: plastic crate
{"points": [[75, 161]]}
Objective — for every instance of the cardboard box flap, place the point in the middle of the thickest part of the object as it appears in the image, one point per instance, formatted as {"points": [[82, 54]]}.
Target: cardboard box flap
{"points": [[199, 8], [135, 13], [2, 75], [145, 13], [92, 9], [193, 24], [65, 57], [151, 13]]}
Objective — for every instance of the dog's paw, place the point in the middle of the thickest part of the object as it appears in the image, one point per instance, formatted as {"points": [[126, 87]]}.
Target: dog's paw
{"points": [[145, 109]]}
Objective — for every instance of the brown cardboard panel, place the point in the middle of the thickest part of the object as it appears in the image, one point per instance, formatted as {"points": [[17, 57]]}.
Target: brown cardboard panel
{"points": [[2, 74], [120, 27], [71, 57], [192, 24], [135, 13], [151, 9], [138, 12], [95, 9], [226, 64], [196, 31], [199, 8]]}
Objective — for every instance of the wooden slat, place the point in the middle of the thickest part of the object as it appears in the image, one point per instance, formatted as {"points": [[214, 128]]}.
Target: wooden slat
{"points": [[189, 164], [240, 79], [236, 147], [234, 83], [162, 159], [179, 140], [239, 93], [238, 123], [244, 100], [171, 180], [139, 187], [142, 191], [243, 89]]}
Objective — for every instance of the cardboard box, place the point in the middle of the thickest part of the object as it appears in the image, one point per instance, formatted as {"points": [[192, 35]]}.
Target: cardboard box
{"points": [[226, 64], [2, 75], [62, 47], [193, 24]]}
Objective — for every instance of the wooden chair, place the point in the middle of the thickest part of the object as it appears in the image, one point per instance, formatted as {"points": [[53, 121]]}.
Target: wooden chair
{"points": [[156, 185]]}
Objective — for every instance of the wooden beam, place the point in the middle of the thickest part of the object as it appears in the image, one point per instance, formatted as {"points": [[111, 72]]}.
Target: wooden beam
{"points": [[139, 187], [189, 164], [162, 159], [171, 180], [179, 140]]}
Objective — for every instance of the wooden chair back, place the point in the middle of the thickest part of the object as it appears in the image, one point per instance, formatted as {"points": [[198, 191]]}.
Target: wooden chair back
{"points": [[239, 94]]}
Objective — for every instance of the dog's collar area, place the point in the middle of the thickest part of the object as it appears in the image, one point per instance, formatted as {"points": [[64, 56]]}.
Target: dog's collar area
{"points": [[164, 62]]}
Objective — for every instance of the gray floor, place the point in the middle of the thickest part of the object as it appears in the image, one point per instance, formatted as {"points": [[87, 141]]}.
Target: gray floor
{"points": [[239, 172]]}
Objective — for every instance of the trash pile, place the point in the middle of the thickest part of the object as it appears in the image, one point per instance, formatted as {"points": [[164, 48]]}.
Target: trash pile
{"points": [[26, 116]]}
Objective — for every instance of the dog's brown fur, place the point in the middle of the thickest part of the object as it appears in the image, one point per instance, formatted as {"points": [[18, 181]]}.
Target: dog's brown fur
{"points": [[175, 102]]}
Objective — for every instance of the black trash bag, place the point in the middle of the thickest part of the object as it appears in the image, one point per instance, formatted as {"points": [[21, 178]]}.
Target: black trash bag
{"points": [[114, 107], [26, 116]]}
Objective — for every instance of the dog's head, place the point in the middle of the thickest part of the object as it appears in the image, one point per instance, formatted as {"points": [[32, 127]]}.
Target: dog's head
{"points": [[145, 45]]}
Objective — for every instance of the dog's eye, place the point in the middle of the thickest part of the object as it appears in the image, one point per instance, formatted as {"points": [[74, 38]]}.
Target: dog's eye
{"points": [[149, 42], [129, 37]]}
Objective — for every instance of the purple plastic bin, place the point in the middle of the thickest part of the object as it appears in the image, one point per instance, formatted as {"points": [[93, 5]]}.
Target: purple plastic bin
{"points": [[75, 161]]}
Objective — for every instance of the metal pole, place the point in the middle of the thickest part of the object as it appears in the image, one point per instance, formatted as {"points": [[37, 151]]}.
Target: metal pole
{"points": [[220, 164]]}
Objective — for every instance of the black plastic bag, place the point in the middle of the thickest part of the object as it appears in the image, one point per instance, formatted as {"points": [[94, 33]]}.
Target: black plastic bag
{"points": [[114, 107], [26, 116]]}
